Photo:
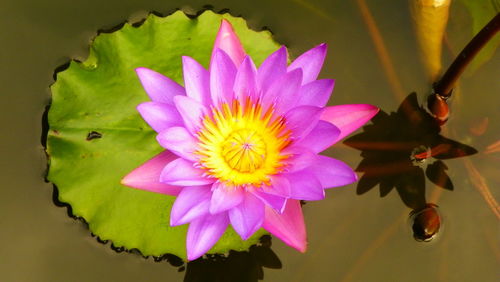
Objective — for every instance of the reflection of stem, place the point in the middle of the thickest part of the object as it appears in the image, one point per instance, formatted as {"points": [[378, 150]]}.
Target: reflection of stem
{"points": [[444, 86], [326, 244], [381, 50], [480, 183], [373, 247], [493, 148], [492, 242]]}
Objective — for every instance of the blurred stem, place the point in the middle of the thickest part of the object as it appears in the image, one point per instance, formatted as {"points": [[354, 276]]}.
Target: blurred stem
{"points": [[381, 50], [430, 18], [444, 86]]}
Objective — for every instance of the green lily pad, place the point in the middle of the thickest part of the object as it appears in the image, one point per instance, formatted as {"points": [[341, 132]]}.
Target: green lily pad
{"points": [[96, 136]]}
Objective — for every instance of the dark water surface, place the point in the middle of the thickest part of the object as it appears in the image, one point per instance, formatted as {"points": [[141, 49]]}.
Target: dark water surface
{"points": [[351, 237]]}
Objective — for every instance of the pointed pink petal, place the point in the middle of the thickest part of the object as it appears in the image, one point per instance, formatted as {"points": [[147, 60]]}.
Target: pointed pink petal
{"points": [[321, 137], [147, 176], [159, 116], [333, 173], [179, 141], [191, 203], [288, 226], [299, 157], [224, 198], [272, 69], [192, 112], [204, 232], [222, 75], [301, 120], [316, 93], [348, 118], [273, 201], [182, 172], [304, 185], [248, 216], [159, 87], [284, 92], [245, 82], [196, 80], [228, 41], [310, 62]]}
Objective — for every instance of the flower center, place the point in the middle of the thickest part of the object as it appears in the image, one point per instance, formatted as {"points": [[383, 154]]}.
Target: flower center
{"points": [[244, 150], [241, 144]]}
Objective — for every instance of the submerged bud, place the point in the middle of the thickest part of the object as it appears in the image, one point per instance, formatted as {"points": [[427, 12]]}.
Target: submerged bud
{"points": [[438, 108], [426, 223]]}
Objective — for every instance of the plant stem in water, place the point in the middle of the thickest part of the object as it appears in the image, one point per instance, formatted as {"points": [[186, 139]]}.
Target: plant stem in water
{"points": [[445, 86]]}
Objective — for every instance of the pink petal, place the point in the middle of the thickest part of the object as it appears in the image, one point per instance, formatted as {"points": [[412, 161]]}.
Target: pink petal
{"points": [[192, 112], [299, 158], [316, 93], [348, 118], [222, 75], [304, 185], [332, 173], [196, 80], [273, 201], [159, 116], [204, 232], [183, 173], [280, 186], [272, 69], [283, 93], [310, 62], [245, 82], [321, 137], [179, 141], [228, 41], [191, 203], [288, 226], [301, 120], [224, 197], [248, 216], [159, 87], [147, 176]]}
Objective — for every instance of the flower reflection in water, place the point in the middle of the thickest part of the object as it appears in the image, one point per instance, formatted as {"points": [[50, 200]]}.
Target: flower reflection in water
{"points": [[399, 151]]}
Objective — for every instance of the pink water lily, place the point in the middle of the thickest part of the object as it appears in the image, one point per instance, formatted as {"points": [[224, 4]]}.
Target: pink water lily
{"points": [[243, 142]]}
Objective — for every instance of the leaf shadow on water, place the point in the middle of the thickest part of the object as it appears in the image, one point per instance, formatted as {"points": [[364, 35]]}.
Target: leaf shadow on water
{"points": [[236, 266], [244, 266], [400, 149], [173, 260]]}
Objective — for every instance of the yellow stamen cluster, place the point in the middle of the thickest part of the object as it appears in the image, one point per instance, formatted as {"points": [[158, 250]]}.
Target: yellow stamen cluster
{"points": [[242, 144]]}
